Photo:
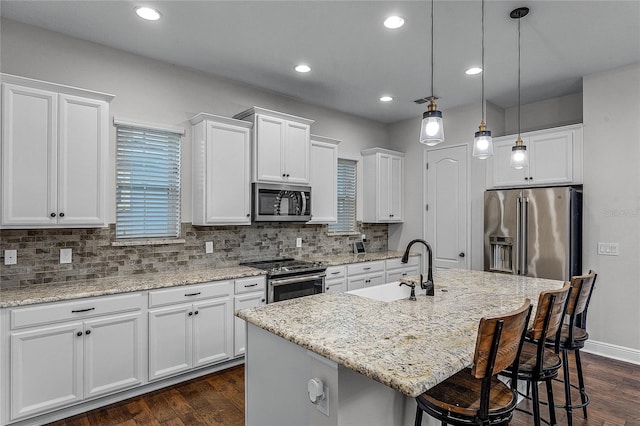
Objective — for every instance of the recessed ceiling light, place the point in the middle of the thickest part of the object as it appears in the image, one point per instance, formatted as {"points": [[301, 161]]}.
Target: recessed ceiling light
{"points": [[302, 68], [148, 13], [473, 71], [393, 22], [386, 98]]}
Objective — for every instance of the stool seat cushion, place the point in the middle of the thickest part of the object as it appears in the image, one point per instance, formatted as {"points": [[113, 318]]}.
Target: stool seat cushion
{"points": [[460, 394]]}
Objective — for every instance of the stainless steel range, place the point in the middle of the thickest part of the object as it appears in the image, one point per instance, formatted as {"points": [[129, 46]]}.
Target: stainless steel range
{"points": [[289, 278]]}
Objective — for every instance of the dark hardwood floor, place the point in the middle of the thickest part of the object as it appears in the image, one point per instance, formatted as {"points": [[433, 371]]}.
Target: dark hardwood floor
{"points": [[218, 399]]}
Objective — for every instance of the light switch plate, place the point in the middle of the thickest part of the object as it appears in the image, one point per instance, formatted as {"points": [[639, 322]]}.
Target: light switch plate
{"points": [[66, 255], [298, 242], [10, 257], [608, 249], [208, 247]]}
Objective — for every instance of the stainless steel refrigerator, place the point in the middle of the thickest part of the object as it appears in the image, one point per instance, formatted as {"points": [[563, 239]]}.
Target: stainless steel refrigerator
{"points": [[535, 232]]}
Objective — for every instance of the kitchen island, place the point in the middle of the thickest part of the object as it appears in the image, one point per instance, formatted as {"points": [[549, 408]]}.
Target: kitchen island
{"points": [[372, 357]]}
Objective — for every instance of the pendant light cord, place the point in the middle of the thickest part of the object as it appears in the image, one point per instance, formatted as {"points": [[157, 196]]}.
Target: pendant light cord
{"points": [[519, 19], [432, 95], [483, 117]]}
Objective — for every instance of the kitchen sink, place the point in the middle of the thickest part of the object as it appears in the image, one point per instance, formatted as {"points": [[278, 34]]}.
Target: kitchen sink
{"points": [[384, 293]]}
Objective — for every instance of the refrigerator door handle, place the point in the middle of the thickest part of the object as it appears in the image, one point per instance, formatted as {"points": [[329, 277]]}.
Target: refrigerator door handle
{"points": [[523, 237]]}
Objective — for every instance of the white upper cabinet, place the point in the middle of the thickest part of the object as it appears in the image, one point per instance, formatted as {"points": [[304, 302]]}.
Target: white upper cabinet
{"points": [[281, 146], [221, 171], [383, 185], [555, 157], [54, 155], [324, 179]]}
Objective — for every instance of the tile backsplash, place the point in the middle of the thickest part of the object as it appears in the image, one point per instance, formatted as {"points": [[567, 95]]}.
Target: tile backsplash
{"points": [[95, 257]]}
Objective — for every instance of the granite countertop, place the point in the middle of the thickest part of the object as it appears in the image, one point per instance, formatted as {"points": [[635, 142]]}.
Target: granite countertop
{"points": [[54, 292], [59, 291], [408, 345]]}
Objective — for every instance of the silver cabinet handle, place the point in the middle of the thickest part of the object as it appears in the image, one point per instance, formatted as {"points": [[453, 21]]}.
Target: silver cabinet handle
{"points": [[192, 294], [250, 285], [82, 310], [296, 279]]}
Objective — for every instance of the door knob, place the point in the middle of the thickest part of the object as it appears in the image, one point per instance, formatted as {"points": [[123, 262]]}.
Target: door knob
{"points": [[461, 254]]}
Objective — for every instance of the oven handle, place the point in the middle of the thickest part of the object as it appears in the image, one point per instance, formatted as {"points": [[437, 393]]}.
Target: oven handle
{"points": [[297, 279]]}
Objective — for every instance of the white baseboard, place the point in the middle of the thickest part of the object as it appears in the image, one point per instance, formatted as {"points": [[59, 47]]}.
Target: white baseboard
{"points": [[613, 351]]}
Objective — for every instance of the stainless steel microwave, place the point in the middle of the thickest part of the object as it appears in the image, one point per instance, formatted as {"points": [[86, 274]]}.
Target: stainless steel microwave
{"points": [[274, 202]]}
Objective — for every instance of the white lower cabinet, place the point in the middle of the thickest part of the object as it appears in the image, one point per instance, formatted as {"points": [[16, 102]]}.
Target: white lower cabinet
{"points": [[66, 362], [249, 292], [336, 281], [183, 336], [365, 274], [395, 269]]}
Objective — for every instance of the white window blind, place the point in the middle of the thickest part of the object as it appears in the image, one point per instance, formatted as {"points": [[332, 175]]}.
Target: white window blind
{"points": [[147, 183], [347, 173]]}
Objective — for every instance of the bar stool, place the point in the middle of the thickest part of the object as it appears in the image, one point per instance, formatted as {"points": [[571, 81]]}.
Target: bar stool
{"points": [[537, 363], [572, 338], [474, 395]]}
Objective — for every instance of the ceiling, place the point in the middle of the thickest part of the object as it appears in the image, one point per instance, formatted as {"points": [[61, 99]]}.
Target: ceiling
{"points": [[354, 59]]}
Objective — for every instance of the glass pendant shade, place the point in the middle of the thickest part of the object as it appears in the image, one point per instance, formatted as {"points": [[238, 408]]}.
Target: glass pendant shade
{"points": [[482, 144], [518, 155], [432, 130]]}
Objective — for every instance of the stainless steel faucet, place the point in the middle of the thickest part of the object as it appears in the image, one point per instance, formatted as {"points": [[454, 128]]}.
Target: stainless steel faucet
{"points": [[429, 284]]}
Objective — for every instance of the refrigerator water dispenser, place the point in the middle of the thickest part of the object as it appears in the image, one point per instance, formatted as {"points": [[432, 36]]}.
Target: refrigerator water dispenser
{"points": [[501, 254]]}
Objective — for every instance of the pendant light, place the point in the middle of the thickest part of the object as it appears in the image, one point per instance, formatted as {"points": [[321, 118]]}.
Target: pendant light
{"points": [[482, 142], [432, 130], [519, 150]]}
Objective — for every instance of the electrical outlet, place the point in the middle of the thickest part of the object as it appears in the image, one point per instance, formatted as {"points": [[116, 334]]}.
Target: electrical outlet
{"points": [[208, 247], [66, 255], [10, 257], [608, 249], [298, 242]]}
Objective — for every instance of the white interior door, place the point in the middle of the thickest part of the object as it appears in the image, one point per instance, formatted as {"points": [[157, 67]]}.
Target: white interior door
{"points": [[446, 215]]}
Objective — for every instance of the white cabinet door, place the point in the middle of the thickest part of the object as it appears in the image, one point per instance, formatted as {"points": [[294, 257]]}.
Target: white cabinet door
{"points": [[551, 158], [270, 134], [170, 341], [324, 180], [354, 283], [503, 173], [113, 355], [228, 177], [396, 189], [46, 369], [336, 286], [396, 274], [29, 156], [82, 158], [383, 186], [212, 331], [244, 301], [295, 151], [374, 279]]}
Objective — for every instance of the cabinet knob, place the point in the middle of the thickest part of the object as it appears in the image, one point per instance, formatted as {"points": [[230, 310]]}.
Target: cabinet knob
{"points": [[530, 177], [461, 254], [61, 214], [284, 175], [52, 215], [287, 174], [262, 300], [79, 333], [87, 332], [391, 215], [190, 313], [248, 214], [196, 312]]}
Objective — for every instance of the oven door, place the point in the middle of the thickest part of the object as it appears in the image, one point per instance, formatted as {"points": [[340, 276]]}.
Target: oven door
{"points": [[291, 287]]}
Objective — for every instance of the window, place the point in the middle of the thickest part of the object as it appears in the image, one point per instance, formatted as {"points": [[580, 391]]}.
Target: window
{"points": [[147, 182], [347, 171]]}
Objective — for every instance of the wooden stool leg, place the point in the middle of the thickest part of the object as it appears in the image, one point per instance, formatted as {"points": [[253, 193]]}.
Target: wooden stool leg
{"points": [[583, 395], [552, 408], [567, 386], [418, 421]]}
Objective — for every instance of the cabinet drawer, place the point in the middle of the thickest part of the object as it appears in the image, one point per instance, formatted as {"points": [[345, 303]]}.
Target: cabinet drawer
{"points": [[190, 293], [71, 310], [396, 264], [250, 284], [336, 272], [365, 267]]}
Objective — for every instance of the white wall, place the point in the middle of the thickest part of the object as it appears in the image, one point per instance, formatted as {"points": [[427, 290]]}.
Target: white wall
{"points": [[612, 204], [554, 112], [460, 124], [157, 92]]}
